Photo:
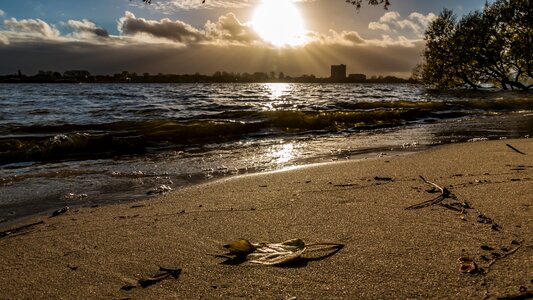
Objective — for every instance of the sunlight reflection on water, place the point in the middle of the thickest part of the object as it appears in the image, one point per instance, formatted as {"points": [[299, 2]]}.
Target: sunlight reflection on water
{"points": [[283, 154], [277, 93]]}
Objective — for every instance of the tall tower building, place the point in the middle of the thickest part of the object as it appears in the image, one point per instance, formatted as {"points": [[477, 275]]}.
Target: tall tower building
{"points": [[338, 72]]}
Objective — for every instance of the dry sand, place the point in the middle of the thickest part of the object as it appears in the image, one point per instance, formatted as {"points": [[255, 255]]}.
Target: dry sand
{"points": [[390, 252]]}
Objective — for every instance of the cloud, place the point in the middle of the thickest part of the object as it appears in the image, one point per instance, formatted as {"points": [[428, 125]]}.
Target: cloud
{"points": [[342, 38], [229, 29], [314, 58], [32, 26], [378, 26], [389, 17], [226, 30], [415, 23], [422, 20], [176, 31], [86, 26], [353, 38], [2, 13], [4, 39]]}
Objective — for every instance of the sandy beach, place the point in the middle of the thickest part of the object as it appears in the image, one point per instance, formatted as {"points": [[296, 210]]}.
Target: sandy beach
{"points": [[482, 222]]}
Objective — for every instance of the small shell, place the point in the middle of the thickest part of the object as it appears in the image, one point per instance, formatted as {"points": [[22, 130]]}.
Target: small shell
{"points": [[468, 266]]}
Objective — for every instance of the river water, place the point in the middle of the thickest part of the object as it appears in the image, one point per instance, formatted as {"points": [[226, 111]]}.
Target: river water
{"points": [[92, 144]]}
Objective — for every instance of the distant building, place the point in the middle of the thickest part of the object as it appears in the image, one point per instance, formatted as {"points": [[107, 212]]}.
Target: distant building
{"points": [[357, 77], [338, 72]]}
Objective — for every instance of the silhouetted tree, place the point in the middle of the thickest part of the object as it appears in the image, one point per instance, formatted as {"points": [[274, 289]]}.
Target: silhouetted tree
{"points": [[493, 45]]}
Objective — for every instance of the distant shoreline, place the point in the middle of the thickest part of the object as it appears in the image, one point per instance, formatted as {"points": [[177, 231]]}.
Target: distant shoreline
{"points": [[127, 77]]}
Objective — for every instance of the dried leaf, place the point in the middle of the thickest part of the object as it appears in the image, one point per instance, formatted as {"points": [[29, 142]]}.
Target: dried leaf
{"points": [[240, 247], [277, 253], [273, 253]]}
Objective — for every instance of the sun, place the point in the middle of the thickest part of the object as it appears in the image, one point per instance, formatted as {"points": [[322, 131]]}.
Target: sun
{"points": [[279, 22]]}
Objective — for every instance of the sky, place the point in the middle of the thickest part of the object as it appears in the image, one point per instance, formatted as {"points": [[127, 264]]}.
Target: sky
{"points": [[296, 37]]}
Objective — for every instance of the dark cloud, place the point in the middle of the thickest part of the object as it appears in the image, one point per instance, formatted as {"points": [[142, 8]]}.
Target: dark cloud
{"points": [[227, 29], [86, 26], [352, 37], [206, 59], [177, 31]]}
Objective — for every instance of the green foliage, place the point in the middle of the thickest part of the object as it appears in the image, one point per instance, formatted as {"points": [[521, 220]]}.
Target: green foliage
{"points": [[489, 46]]}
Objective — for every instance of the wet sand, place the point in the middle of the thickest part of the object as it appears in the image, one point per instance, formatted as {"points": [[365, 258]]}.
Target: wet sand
{"points": [[390, 251]]}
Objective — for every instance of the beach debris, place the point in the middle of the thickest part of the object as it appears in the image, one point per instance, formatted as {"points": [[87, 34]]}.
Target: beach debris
{"points": [[160, 190], [60, 211], [73, 196], [481, 218], [495, 256], [409, 145], [524, 294], [468, 266], [444, 193], [452, 202], [274, 254], [378, 178], [473, 140], [240, 247], [128, 287], [164, 273], [19, 229], [344, 184], [514, 149], [137, 206], [510, 251], [486, 247]]}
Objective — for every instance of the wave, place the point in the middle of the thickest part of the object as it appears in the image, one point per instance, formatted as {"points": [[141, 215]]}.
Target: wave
{"points": [[91, 141]]}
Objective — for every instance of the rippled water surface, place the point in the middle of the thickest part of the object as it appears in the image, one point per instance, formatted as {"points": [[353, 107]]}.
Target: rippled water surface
{"points": [[72, 144]]}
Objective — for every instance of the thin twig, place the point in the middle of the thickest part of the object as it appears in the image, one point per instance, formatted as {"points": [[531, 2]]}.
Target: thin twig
{"points": [[504, 256], [444, 193]]}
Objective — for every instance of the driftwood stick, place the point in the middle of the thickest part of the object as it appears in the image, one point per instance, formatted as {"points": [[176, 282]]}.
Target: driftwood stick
{"points": [[516, 150], [429, 202], [432, 184], [17, 229], [444, 193]]}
